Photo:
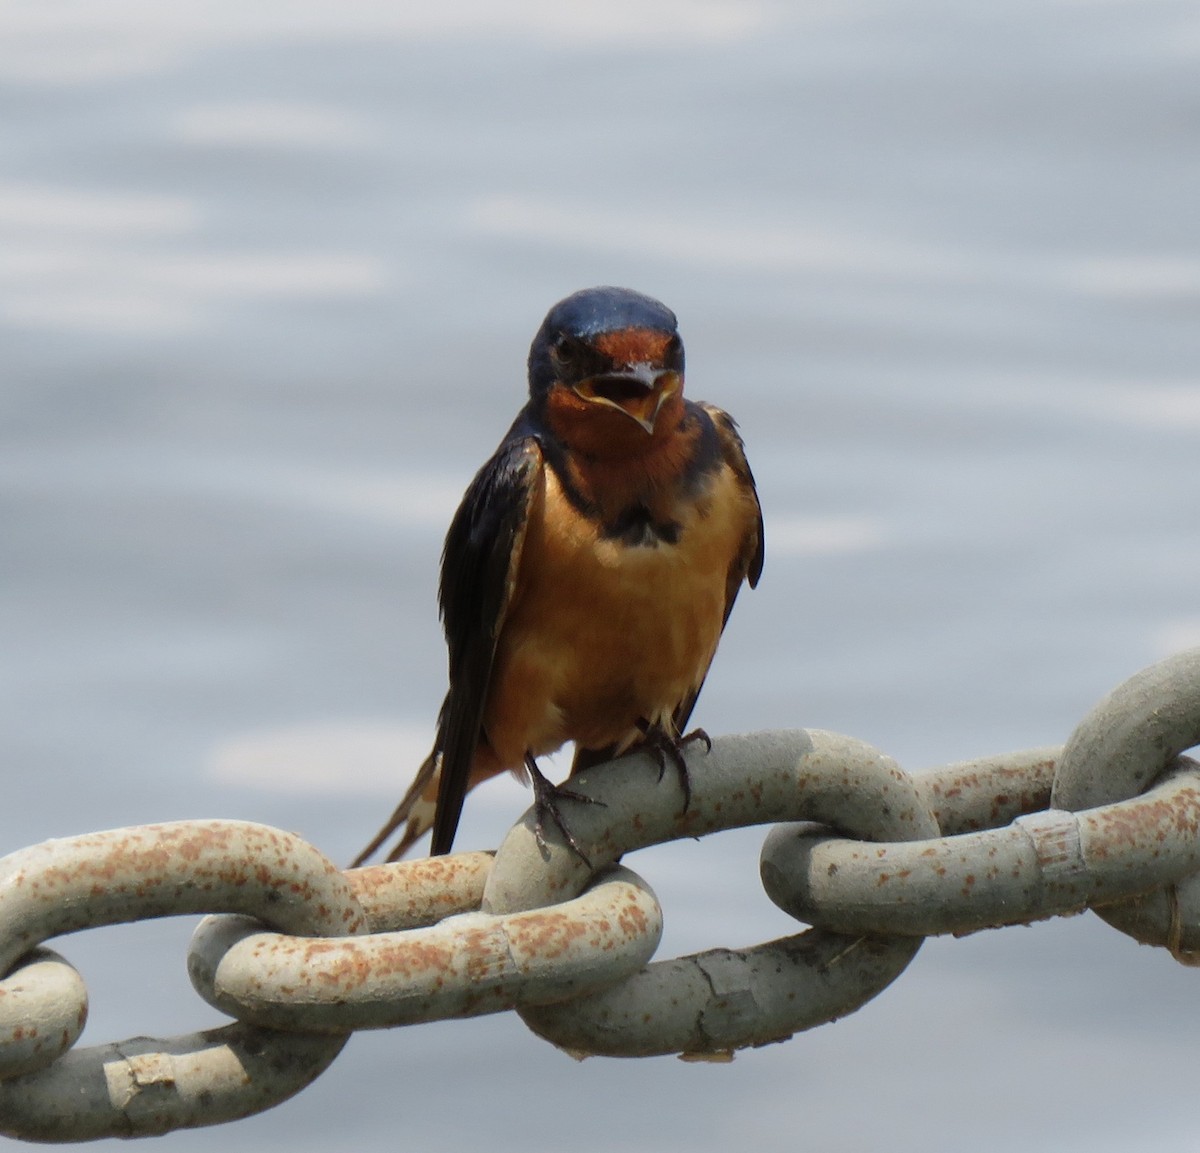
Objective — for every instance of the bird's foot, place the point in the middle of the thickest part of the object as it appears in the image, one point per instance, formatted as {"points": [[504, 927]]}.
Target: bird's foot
{"points": [[663, 747], [545, 803]]}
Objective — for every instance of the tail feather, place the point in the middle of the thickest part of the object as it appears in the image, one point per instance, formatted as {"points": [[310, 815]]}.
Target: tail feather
{"points": [[415, 811]]}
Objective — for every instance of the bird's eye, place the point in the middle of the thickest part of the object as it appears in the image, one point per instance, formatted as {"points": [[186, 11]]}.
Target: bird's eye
{"points": [[565, 350]]}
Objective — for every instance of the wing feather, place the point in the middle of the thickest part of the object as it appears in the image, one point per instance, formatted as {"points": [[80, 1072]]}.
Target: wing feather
{"points": [[747, 563], [480, 564]]}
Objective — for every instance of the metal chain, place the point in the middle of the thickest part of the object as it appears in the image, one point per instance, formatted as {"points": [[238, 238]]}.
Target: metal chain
{"points": [[872, 858]]}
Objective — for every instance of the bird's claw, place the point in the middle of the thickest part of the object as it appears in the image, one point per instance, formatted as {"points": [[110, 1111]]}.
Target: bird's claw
{"points": [[661, 745], [545, 801]]}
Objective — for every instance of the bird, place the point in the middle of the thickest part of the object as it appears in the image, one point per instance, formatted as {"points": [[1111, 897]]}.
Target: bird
{"points": [[590, 569]]}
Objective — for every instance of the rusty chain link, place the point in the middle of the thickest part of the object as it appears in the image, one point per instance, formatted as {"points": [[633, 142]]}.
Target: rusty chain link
{"points": [[875, 860]]}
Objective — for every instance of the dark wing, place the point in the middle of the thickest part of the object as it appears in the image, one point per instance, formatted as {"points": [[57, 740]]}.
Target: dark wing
{"points": [[479, 573], [747, 564]]}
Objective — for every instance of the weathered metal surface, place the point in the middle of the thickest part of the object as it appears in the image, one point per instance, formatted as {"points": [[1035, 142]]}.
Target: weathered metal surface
{"points": [[879, 860], [410, 894], [466, 965], [1044, 865], [43, 1008], [144, 1087], [161, 870], [149, 1085], [1132, 735], [712, 1003], [1128, 740], [799, 774], [989, 792]]}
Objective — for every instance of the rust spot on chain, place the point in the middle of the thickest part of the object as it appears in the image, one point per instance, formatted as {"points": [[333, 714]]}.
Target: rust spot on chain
{"points": [[346, 965], [548, 934], [412, 894], [1147, 822], [632, 920]]}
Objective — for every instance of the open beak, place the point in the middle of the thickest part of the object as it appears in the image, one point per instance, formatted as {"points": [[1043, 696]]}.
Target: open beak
{"points": [[638, 390]]}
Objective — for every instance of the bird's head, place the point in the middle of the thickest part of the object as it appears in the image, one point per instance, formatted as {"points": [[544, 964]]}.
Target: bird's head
{"points": [[606, 370]]}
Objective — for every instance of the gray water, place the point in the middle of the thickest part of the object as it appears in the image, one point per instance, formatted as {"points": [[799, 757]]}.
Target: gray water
{"points": [[268, 273]]}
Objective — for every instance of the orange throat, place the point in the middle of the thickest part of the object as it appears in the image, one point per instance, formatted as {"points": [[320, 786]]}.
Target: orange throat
{"points": [[611, 461]]}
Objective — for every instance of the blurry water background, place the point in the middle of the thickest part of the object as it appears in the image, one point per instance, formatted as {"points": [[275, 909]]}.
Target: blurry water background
{"points": [[268, 273]]}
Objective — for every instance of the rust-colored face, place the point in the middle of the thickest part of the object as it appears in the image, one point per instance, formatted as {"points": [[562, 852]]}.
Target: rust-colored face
{"points": [[638, 345]]}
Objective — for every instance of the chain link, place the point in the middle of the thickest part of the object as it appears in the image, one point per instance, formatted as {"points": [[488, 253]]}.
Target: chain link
{"points": [[463, 966], [1052, 863], [147, 1086], [42, 1012], [711, 1003], [1121, 745], [871, 857]]}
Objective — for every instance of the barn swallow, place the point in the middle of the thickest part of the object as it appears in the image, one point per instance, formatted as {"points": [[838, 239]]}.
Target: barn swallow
{"points": [[588, 573]]}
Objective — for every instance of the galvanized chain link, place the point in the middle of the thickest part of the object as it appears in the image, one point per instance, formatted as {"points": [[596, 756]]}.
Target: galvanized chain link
{"points": [[872, 858]]}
